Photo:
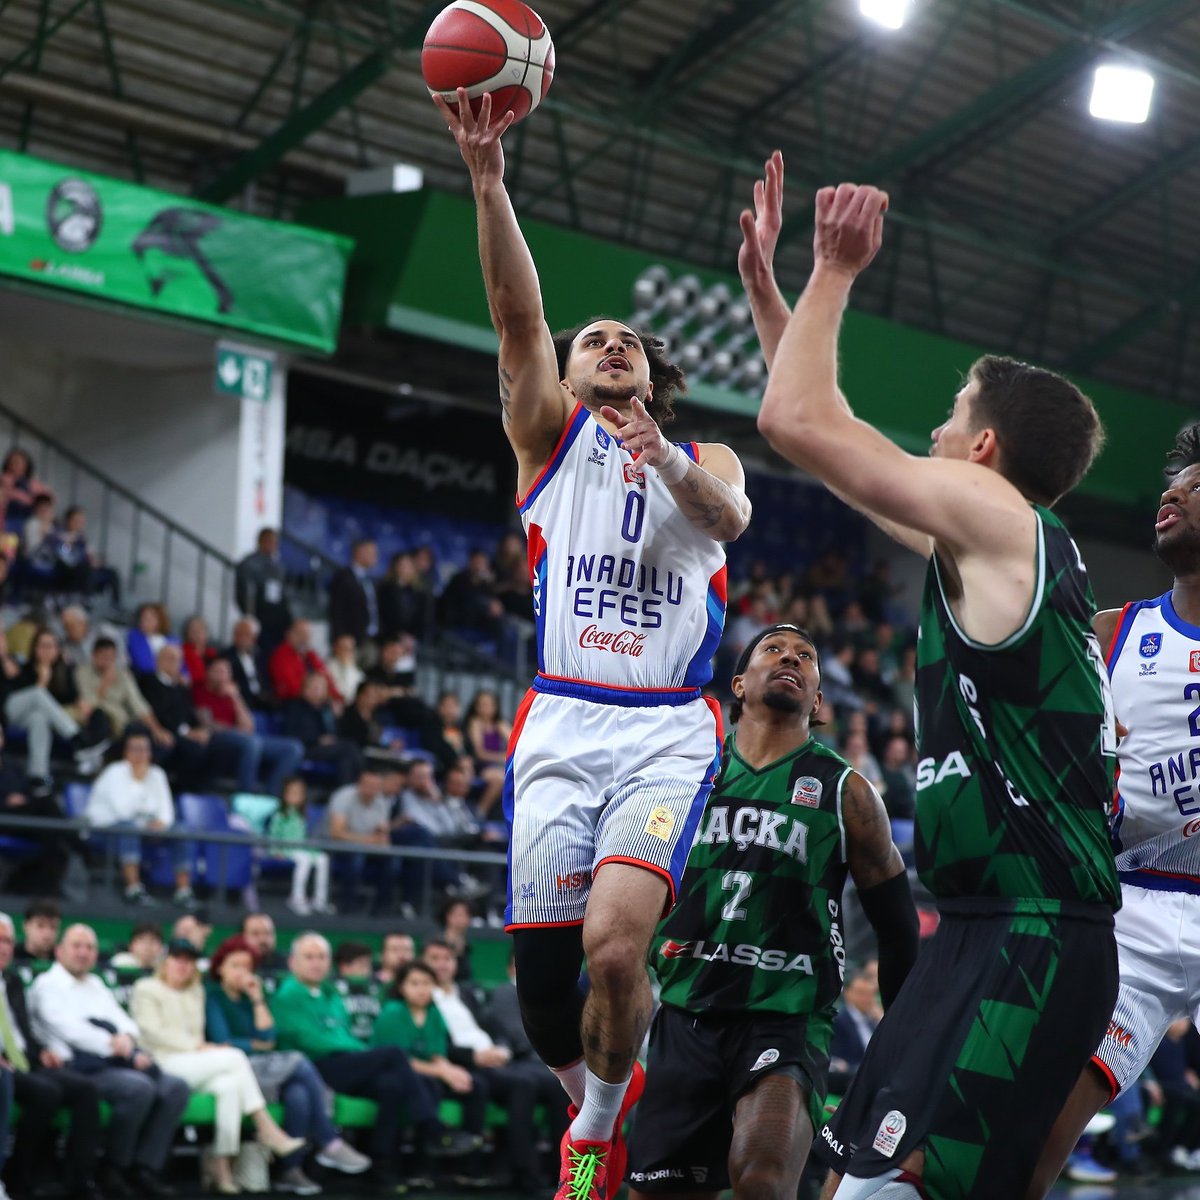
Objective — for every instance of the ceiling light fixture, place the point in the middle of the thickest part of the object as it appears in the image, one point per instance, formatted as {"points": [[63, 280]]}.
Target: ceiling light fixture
{"points": [[1121, 93], [891, 14]]}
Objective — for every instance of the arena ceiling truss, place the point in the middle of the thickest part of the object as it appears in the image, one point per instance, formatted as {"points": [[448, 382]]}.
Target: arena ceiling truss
{"points": [[1018, 221]]}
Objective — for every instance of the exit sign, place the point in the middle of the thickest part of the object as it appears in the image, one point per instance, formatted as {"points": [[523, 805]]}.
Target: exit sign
{"points": [[243, 373]]}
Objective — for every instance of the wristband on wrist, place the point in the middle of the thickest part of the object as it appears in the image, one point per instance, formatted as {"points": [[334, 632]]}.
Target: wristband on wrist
{"points": [[674, 468]]}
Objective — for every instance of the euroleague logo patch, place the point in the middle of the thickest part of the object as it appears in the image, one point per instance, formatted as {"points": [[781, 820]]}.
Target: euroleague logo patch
{"points": [[807, 791], [891, 1130], [765, 1059]]}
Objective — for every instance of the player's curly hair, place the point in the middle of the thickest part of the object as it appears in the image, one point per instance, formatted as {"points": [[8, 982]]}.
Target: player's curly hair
{"points": [[668, 379], [1186, 451]]}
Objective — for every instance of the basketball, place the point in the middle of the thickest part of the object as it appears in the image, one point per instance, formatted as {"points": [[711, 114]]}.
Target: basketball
{"points": [[497, 46]]}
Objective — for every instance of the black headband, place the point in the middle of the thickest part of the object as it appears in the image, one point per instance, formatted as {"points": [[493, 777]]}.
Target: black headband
{"points": [[744, 661]]}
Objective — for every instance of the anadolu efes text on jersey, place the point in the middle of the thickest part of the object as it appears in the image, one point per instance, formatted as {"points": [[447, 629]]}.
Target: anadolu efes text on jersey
{"points": [[1154, 663], [626, 591]]}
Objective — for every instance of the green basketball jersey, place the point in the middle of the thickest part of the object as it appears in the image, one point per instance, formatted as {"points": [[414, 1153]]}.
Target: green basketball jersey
{"points": [[1017, 744], [758, 922]]}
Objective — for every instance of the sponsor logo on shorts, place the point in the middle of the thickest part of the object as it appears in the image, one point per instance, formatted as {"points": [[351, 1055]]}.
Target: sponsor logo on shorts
{"points": [[891, 1130], [622, 642], [1194, 661], [573, 882], [633, 475], [832, 1142], [662, 821], [661, 1173], [1119, 1034], [1150, 644], [765, 1059], [700, 1174], [807, 791], [527, 891]]}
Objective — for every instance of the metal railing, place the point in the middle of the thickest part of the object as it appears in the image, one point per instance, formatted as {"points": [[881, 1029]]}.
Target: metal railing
{"points": [[156, 557], [222, 874]]}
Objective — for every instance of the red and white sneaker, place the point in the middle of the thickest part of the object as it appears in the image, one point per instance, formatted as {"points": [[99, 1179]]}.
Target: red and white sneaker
{"points": [[584, 1173], [618, 1158]]}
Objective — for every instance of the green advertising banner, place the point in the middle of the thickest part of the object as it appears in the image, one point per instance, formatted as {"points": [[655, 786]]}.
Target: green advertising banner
{"points": [[128, 245]]}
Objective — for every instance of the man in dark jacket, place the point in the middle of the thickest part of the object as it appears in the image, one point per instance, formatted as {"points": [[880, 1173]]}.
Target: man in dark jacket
{"points": [[41, 1086], [259, 588], [170, 699], [309, 719], [353, 605]]}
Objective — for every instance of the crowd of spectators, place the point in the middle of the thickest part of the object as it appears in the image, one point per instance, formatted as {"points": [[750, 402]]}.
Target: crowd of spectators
{"points": [[163, 1019]]}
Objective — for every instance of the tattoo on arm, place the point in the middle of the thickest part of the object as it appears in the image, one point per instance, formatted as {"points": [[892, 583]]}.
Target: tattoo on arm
{"points": [[506, 395], [872, 857], [702, 497]]}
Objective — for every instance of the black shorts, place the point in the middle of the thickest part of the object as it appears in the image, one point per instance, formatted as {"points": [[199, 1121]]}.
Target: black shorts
{"points": [[976, 1057], [697, 1069]]}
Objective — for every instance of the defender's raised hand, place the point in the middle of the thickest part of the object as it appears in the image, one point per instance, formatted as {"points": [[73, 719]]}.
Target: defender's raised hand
{"points": [[478, 137], [760, 228], [849, 226]]}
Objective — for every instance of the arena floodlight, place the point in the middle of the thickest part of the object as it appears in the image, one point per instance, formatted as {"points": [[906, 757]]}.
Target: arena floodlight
{"points": [[1121, 93], [891, 14]]}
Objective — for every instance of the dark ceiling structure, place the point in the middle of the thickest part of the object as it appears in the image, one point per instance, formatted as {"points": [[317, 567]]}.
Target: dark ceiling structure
{"points": [[1018, 222]]}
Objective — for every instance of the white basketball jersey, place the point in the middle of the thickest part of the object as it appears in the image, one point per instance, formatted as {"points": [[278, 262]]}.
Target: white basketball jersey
{"points": [[1154, 664], [627, 593]]}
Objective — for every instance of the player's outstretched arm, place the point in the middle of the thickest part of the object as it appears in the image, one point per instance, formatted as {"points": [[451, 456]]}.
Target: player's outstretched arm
{"points": [[806, 419], [711, 493], [878, 872], [535, 405], [756, 266]]}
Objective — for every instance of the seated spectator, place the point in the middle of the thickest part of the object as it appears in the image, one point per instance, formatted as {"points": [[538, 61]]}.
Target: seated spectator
{"points": [[259, 931], [198, 651], [353, 960], [145, 949], [358, 724], [39, 932], [502, 1019], [343, 668], [516, 1088], [78, 636], [899, 778], [467, 603], [250, 666], [1179, 1129], [169, 1008], [150, 633], [79, 1020], [237, 1014], [133, 795], [106, 685], [398, 950], [410, 1019], [450, 714], [42, 1086], [353, 603], [39, 540], [290, 824], [170, 700], [424, 817], [260, 589], [195, 928], [311, 1017], [857, 752], [293, 660], [487, 743], [510, 571], [79, 568], [309, 718], [404, 606], [263, 761], [45, 871], [38, 703], [20, 485], [360, 815], [853, 1027], [455, 919]]}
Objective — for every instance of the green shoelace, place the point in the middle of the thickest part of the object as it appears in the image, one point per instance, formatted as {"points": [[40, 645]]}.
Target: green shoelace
{"points": [[583, 1172]]}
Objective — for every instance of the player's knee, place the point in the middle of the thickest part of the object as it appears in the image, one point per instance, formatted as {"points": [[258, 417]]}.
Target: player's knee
{"points": [[615, 964], [762, 1179]]}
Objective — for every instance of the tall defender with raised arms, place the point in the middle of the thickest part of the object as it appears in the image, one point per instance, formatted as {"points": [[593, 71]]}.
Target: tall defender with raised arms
{"points": [[614, 749], [1015, 732]]}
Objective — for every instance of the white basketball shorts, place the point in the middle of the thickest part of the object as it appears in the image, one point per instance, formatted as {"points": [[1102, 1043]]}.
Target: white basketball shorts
{"points": [[598, 775], [1158, 952]]}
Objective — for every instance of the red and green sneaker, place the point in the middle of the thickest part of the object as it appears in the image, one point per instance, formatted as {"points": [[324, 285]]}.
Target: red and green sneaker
{"points": [[584, 1174]]}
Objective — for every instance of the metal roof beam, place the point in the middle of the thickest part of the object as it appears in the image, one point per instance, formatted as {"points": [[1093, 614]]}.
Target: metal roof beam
{"points": [[997, 104], [296, 128]]}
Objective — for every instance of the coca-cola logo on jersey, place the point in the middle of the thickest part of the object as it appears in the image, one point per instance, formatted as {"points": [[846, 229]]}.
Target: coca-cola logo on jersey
{"points": [[623, 642]]}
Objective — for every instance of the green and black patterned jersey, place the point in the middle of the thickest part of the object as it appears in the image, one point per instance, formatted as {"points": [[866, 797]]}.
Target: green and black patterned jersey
{"points": [[1016, 744], [758, 923]]}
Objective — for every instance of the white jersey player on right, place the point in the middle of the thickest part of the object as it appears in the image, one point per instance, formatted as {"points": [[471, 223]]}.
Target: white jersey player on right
{"points": [[1153, 656]]}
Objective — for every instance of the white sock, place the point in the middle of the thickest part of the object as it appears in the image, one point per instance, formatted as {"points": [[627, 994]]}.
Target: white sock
{"points": [[881, 1187], [573, 1080], [599, 1111]]}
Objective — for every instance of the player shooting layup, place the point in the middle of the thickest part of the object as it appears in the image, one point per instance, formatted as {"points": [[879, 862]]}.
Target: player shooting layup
{"points": [[613, 751], [1154, 661], [1015, 733]]}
